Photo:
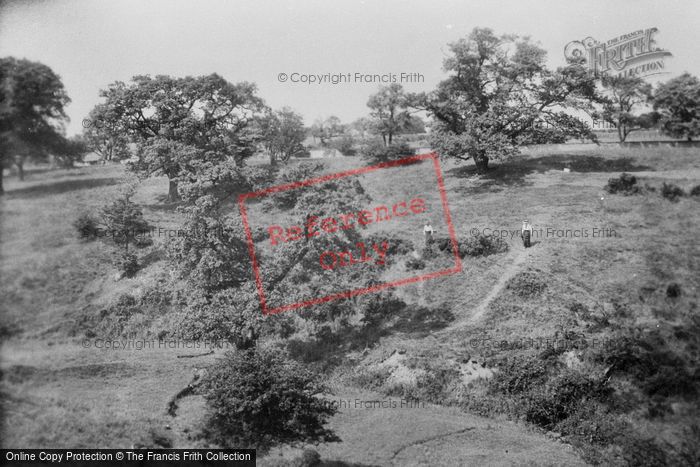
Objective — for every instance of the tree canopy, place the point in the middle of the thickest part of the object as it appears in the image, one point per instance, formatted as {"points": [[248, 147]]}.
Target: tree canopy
{"points": [[174, 121], [389, 112], [624, 95], [32, 102], [678, 104], [282, 135], [497, 92]]}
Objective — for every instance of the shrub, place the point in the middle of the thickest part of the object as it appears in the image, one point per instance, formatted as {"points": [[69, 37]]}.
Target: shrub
{"points": [[443, 243], [433, 386], [642, 452], [377, 152], [396, 245], [482, 245], [125, 307], [380, 309], [673, 290], [560, 397], [231, 315], [128, 263], [123, 318], [257, 398], [157, 296], [527, 284], [415, 264], [625, 184], [672, 192], [518, 375], [647, 358], [345, 144], [124, 219], [373, 378], [695, 191], [689, 452], [87, 226]]}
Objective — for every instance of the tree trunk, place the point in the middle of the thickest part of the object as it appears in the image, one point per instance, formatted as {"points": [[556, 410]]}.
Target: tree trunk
{"points": [[390, 138], [20, 170], [2, 190], [173, 195], [481, 161]]}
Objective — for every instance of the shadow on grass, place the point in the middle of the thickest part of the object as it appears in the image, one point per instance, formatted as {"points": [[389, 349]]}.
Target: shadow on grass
{"points": [[58, 188], [514, 171], [328, 348], [163, 203], [31, 172]]}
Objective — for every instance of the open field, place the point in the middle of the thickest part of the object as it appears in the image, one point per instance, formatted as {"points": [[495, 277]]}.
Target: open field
{"points": [[600, 266]]}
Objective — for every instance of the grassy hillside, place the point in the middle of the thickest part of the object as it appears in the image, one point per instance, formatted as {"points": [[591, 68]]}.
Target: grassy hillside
{"points": [[578, 341]]}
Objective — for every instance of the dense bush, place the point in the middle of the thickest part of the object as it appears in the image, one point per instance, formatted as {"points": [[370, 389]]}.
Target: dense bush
{"points": [[123, 318], [87, 226], [527, 284], [625, 184], [257, 398], [482, 245], [373, 378], [560, 397], [125, 307], [231, 315], [124, 220], [128, 264], [381, 308], [345, 144], [478, 245], [375, 151], [647, 358], [672, 192], [432, 386], [292, 173], [695, 191], [689, 452], [396, 245], [212, 254], [519, 374], [415, 264], [673, 290], [545, 392]]}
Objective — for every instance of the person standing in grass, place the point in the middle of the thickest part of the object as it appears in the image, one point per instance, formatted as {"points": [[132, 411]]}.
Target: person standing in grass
{"points": [[526, 233], [428, 232]]}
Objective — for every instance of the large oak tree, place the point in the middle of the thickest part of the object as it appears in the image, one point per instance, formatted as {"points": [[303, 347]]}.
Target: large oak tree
{"points": [[499, 94], [175, 122]]}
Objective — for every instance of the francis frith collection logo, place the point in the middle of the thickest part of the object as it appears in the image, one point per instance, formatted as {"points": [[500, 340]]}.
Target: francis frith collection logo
{"points": [[633, 54]]}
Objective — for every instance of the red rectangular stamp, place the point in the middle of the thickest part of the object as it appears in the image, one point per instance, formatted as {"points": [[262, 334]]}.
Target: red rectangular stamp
{"points": [[328, 238]]}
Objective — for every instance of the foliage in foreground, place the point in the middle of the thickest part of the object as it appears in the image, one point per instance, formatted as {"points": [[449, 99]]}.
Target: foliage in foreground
{"points": [[625, 184], [257, 398]]}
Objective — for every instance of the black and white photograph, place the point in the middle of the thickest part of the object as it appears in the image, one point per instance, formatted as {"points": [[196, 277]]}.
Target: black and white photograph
{"points": [[299, 233]]}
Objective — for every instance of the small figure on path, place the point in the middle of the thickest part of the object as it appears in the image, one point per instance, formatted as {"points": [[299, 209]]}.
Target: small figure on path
{"points": [[428, 232], [526, 233]]}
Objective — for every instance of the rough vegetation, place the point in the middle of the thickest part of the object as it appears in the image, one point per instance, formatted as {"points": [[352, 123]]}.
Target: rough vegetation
{"points": [[256, 398]]}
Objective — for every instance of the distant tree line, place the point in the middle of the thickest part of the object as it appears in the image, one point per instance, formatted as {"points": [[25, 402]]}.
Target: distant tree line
{"points": [[498, 95]]}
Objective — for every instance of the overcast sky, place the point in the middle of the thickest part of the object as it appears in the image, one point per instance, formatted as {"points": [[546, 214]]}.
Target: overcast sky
{"points": [[92, 43]]}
